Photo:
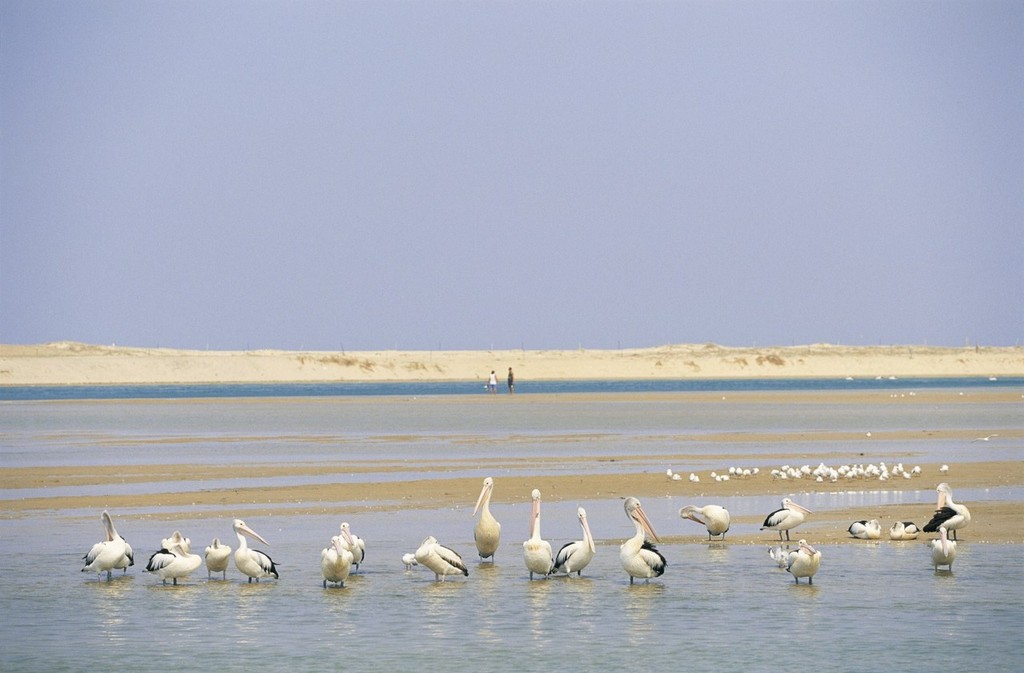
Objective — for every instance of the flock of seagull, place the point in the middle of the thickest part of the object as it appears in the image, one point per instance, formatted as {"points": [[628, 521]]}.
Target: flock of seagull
{"points": [[638, 555]]}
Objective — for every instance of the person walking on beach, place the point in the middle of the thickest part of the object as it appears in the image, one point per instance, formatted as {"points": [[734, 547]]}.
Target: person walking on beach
{"points": [[492, 384], [511, 382]]}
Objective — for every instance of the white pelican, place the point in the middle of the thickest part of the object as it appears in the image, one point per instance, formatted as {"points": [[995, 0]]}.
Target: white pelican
{"points": [[949, 515], [353, 543], [179, 539], [573, 557], [409, 560], [442, 560], [804, 562], [252, 563], [943, 550], [713, 517], [113, 552], [640, 559], [903, 530], [488, 530], [789, 516], [866, 530], [537, 552], [217, 556], [335, 562], [173, 563]]}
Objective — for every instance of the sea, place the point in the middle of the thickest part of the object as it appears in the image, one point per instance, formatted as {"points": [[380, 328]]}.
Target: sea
{"points": [[718, 607]]}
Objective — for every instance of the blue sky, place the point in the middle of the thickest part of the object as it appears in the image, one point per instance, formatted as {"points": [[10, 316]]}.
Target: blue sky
{"points": [[474, 175]]}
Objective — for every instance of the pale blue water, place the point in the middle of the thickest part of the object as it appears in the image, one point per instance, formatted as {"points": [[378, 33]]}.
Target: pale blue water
{"points": [[719, 607]]}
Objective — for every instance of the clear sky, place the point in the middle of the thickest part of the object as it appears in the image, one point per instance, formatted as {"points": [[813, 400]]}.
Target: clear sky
{"points": [[475, 175]]}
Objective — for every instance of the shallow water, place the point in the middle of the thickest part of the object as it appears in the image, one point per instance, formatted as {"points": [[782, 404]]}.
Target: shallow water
{"points": [[718, 607]]}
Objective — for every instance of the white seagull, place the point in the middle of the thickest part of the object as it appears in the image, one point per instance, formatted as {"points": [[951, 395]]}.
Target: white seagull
{"points": [[573, 557], [440, 559], [640, 558], [713, 517], [409, 560], [113, 552], [335, 562], [252, 563], [789, 516], [537, 552], [866, 530], [943, 550], [948, 514], [804, 562], [487, 532], [217, 557], [173, 563]]}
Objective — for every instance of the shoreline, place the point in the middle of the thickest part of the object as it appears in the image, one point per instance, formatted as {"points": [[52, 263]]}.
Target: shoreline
{"points": [[69, 363]]}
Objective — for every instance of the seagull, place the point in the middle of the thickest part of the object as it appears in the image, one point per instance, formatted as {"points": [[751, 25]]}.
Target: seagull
{"points": [[983, 439]]}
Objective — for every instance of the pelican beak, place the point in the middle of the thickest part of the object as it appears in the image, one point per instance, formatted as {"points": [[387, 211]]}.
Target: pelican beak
{"points": [[941, 500], [348, 537], [534, 515], [480, 499], [590, 538], [945, 541], [800, 507], [645, 523], [251, 533]]}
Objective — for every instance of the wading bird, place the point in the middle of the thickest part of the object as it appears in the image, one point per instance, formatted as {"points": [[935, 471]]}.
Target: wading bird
{"points": [[943, 550], [804, 562], [948, 514], [536, 551], [440, 559], [713, 517], [789, 516], [573, 557], [113, 552], [487, 532], [217, 557], [335, 562], [252, 563], [174, 563], [640, 558]]}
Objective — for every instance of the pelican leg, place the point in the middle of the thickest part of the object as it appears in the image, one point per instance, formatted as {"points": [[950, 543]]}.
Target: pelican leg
{"points": [[810, 580], [631, 579]]}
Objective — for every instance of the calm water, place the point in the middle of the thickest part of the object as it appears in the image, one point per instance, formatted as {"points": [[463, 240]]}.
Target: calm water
{"points": [[719, 607]]}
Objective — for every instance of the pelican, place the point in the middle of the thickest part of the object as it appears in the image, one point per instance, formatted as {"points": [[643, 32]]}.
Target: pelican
{"points": [[949, 515], [712, 517], [790, 515], [113, 552], [488, 530], [640, 559], [335, 562], [442, 560], [943, 550], [177, 538], [804, 562], [217, 556], [573, 557], [173, 563], [252, 563], [353, 543], [537, 552], [866, 530], [903, 530]]}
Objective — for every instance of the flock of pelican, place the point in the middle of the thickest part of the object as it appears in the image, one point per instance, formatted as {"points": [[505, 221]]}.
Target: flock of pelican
{"points": [[639, 557]]}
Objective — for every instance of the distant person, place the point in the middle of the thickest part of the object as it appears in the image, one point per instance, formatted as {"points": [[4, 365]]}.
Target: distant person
{"points": [[511, 382], [492, 384]]}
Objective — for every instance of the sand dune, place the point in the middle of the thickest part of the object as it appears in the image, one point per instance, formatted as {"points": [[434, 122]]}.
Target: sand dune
{"points": [[81, 364]]}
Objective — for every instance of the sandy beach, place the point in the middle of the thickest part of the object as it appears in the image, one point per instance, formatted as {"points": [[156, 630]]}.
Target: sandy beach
{"points": [[69, 363], [424, 485]]}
